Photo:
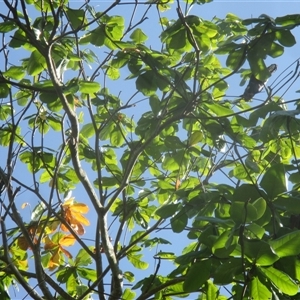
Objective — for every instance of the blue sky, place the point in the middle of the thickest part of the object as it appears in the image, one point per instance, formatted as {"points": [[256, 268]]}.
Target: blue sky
{"points": [[243, 9]]}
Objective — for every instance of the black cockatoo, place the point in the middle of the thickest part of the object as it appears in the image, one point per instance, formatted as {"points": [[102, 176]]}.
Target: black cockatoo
{"points": [[255, 86]]}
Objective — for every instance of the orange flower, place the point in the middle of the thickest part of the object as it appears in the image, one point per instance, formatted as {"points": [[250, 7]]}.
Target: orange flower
{"points": [[72, 213]]}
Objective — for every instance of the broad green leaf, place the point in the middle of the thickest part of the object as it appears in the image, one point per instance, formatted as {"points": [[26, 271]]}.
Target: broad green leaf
{"points": [[87, 130], [219, 110], [155, 104], [255, 231], [5, 111], [167, 210], [281, 280], [71, 283], [274, 181], [288, 20], [260, 205], [88, 87], [259, 252], [129, 276], [64, 274], [36, 63], [179, 222], [236, 57], [136, 261], [7, 26], [276, 50], [225, 244], [165, 185], [4, 90], [196, 137], [18, 39], [226, 272], [86, 273], [76, 17], [117, 137], [212, 291], [146, 83], [15, 72], [243, 212], [113, 73], [128, 294], [138, 36], [285, 38], [197, 275], [288, 203], [222, 222], [258, 290], [83, 258], [287, 245]]}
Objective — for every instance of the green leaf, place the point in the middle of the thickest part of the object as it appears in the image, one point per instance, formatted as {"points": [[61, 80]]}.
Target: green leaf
{"points": [[116, 137], [288, 203], [18, 39], [225, 244], [276, 50], [136, 262], [86, 273], [260, 205], [242, 212], [4, 90], [282, 281], [287, 245], [83, 258], [219, 110], [226, 272], [88, 87], [64, 274], [167, 210], [7, 26], [196, 137], [212, 291], [236, 58], [138, 36], [274, 181], [197, 275], [146, 83], [113, 73], [5, 111], [128, 294], [288, 20], [129, 276], [87, 130], [15, 72], [36, 63], [71, 283], [76, 17], [155, 104], [259, 252], [258, 290], [179, 222], [285, 38]]}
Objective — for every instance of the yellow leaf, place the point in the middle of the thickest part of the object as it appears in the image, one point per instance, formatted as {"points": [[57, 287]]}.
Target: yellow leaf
{"points": [[54, 260], [67, 240], [49, 244], [80, 218], [80, 207], [24, 205]]}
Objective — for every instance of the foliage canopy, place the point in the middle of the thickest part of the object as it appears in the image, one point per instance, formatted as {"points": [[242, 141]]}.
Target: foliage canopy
{"points": [[165, 157]]}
